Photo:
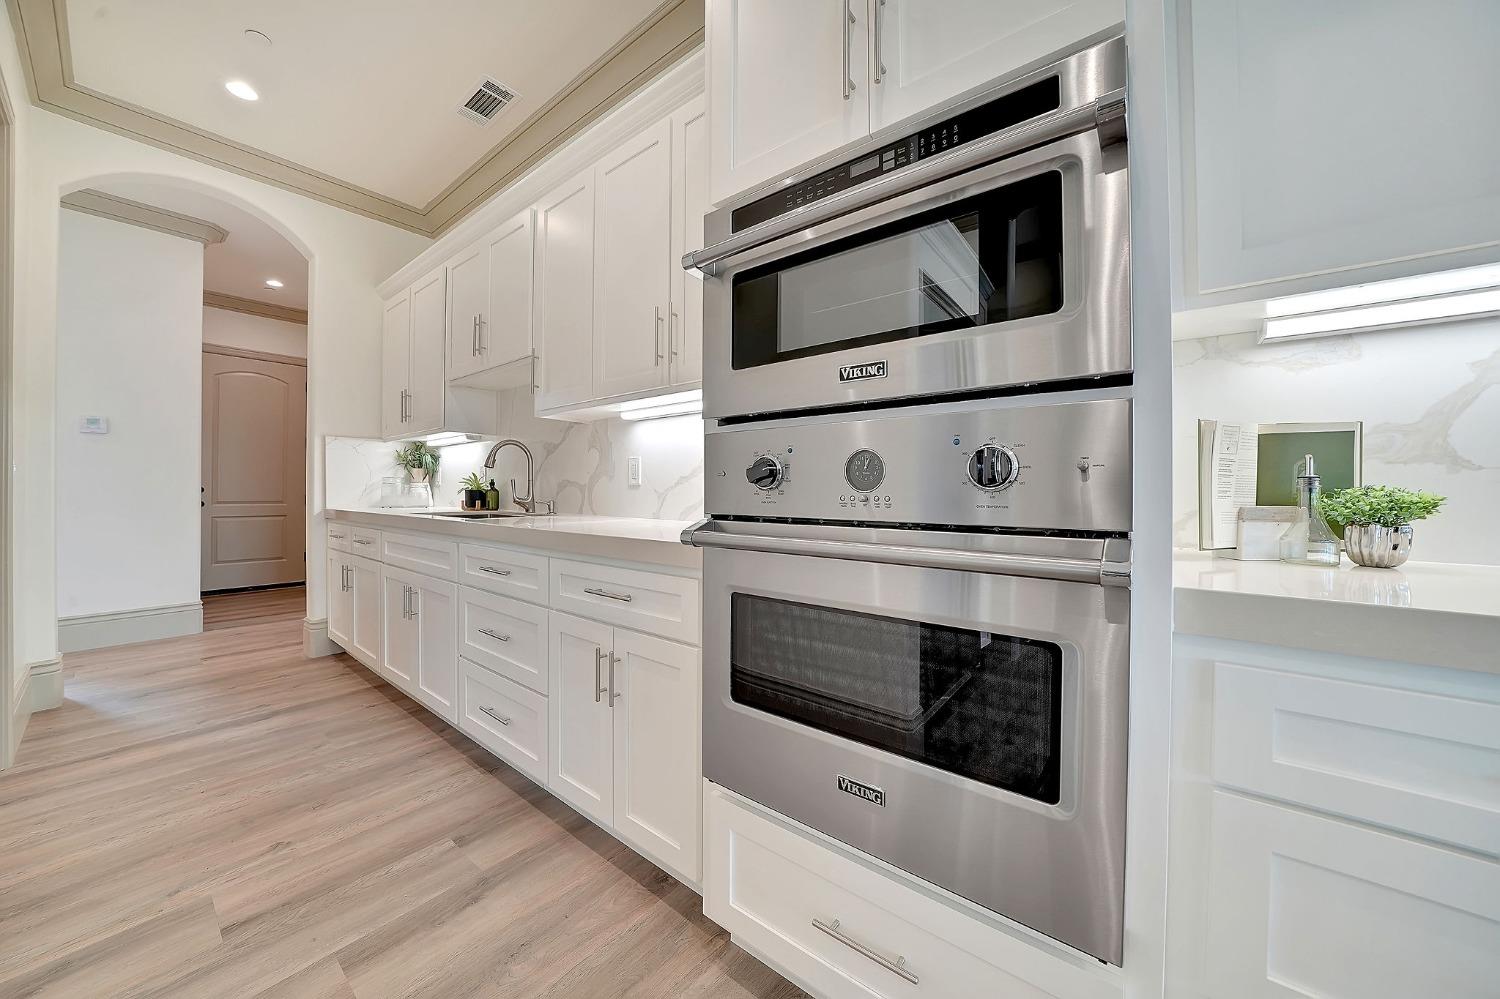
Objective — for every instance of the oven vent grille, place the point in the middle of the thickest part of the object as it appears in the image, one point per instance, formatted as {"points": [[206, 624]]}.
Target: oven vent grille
{"points": [[489, 99]]}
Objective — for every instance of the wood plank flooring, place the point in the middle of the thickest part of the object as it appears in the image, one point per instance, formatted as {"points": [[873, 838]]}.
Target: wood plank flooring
{"points": [[218, 816]]}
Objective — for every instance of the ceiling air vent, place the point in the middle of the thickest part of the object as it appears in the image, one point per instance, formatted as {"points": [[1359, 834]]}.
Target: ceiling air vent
{"points": [[489, 99]]}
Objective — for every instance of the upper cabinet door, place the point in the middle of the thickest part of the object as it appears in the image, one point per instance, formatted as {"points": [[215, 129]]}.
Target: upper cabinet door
{"points": [[632, 251], [1325, 145], [395, 365], [505, 329], [429, 335], [788, 82], [468, 301], [563, 303], [926, 52], [689, 204]]}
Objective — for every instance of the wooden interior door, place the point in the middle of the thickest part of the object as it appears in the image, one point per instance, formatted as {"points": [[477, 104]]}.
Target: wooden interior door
{"points": [[254, 471]]}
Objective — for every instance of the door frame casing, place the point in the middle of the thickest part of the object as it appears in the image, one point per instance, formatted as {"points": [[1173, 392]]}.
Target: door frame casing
{"points": [[13, 712]]}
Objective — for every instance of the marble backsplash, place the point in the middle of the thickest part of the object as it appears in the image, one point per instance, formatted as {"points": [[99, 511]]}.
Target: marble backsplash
{"points": [[583, 466], [1429, 398]]}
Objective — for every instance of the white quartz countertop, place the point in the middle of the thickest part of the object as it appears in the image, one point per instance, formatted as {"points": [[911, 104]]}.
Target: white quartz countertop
{"points": [[630, 539], [1423, 612]]}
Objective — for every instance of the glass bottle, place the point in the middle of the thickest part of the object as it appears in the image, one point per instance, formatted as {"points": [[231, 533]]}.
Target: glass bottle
{"points": [[492, 497], [1309, 540]]}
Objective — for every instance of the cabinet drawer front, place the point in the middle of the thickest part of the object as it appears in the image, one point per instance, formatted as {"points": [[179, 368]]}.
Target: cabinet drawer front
{"points": [[364, 541], [657, 604], [1421, 763], [338, 537], [1302, 905], [420, 553], [845, 929], [502, 570], [505, 718], [508, 636]]}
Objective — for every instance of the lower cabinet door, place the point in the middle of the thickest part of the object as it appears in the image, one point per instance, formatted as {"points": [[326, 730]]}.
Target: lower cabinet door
{"points": [[1302, 905], [340, 606], [658, 768], [435, 610], [581, 750], [399, 637], [504, 717], [365, 602]]}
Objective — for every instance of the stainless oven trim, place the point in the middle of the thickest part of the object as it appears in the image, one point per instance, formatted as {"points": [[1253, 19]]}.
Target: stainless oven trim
{"points": [[1058, 869], [1089, 335]]}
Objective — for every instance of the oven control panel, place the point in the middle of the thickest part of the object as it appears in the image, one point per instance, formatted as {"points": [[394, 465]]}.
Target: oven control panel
{"points": [[1063, 466]]}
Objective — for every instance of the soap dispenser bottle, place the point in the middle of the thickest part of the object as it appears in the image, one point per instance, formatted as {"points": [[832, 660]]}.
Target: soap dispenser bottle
{"points": [[492, 497], [1309, 540]]}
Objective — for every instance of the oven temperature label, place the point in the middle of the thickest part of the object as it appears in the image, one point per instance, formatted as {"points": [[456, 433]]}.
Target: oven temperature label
{"points": [[873, 795]]}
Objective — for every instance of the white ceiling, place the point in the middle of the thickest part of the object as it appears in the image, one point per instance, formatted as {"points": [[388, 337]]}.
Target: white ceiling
{"points": [[252, 252], [364, 91]]}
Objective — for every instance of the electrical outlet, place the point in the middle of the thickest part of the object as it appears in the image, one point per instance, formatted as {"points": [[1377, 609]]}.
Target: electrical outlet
{"points": [[635, 470]]}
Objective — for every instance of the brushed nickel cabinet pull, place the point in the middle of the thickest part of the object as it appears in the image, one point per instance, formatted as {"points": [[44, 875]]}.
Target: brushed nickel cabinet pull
{"points": [[848, 71], [493, 571], [363, 541], [599, 689], [897, 966], [656, 332], [495, 715], [672, 331], [494, 634], [613, 697], [622, 597], [414, 601], [879, 41]]}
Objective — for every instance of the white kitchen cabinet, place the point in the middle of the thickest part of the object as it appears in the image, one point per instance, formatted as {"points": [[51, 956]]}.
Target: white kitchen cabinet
{"points": [[489, 301], [340, 600], [429, 339], [415, 397], [354, 606], [400, 654], [632, 251], [395, 364], [787, 84], [468, 302], [508, 636], [658, 764], [925, 53], [1333, 144], [563, 293], [505, 718], [690, 202], [581, 764], [421, 638]]}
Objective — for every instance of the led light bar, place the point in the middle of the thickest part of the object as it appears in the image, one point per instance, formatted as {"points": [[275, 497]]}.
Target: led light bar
{"points": [[1425, 298]]}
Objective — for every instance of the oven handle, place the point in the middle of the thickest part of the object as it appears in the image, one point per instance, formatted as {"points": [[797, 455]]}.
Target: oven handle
{"points": [[1105, 114], [1112, 568]]}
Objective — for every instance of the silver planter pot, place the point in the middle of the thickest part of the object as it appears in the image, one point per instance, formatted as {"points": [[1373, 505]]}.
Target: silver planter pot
{"points": [[1376, 546]]}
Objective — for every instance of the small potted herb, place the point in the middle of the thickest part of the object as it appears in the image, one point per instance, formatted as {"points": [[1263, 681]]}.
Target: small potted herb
{"points": [[419, 460], [1377, 521], [473, 490]]}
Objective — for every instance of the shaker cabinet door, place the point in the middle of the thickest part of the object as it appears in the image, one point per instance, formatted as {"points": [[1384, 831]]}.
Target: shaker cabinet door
{"points": [[581, 756], [395, 365], [563, 293]]}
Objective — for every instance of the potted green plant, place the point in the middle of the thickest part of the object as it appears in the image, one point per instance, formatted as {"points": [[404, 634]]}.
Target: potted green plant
{"points": [[473, 490], [419, 460], [1377, 521]]}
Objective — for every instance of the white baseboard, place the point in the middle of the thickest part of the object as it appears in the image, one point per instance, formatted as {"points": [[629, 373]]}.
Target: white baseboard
{"points": [[46, 684], [315, 641], [145, 624]]}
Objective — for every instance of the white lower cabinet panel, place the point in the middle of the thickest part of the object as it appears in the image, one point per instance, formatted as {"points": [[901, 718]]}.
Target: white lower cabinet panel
{"points": [[399, 652], [505, 718], [422, 553], [421, 638], [508, 636], [365, 604], [502, 570], [581, 751], [841, 929], [650, 602], [1302, 905], [340, 598]]}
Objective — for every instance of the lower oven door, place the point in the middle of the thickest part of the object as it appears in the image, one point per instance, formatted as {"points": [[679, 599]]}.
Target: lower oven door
{"points": [[965, 726]]}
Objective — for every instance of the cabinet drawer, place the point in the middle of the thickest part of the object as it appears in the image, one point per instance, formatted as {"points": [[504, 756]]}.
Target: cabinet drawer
{"points": [[649, 602], [505, 718], [841, 928], [1310, 906], [502, 570], [508, 636], [1422, 763], [421, 553], [338, 537], [364, 541]]}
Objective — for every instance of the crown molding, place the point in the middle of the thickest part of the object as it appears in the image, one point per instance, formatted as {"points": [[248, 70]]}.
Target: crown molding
{"points": [[675, 28], [252, 307], [108, 206]]}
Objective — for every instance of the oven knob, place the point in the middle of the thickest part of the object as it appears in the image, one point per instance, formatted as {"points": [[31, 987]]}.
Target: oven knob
{"points": [[764, 472], [993, 467]]}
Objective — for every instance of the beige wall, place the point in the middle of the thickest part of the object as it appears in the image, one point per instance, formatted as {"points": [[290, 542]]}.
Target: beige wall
{"points": [[227, 328]]}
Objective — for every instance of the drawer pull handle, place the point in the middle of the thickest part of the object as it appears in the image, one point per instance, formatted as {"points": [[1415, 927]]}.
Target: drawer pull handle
{"points": [[622, 597], [494, 634], [332, 535], [495, 715], [363, 541], [493, 571], [897, 967]]}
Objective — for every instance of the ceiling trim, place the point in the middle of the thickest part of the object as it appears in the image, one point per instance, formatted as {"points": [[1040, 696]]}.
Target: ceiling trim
{"points": [[673, 29], [253, 355], [253, 307], [109, 206]]}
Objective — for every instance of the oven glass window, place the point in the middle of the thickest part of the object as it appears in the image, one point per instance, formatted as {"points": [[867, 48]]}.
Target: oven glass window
{"points": [[991, 258], [982, 705]]}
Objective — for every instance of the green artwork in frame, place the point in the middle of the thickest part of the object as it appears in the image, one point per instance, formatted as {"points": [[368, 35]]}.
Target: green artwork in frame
{"points": [[1337, 454]]}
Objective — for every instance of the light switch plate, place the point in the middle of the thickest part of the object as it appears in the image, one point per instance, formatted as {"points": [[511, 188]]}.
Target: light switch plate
{"points": [[94, 425], [635, 470]]}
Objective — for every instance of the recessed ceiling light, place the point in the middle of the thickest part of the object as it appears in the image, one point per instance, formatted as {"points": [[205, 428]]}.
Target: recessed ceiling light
{"points": [[242, 90], [274, 283]]}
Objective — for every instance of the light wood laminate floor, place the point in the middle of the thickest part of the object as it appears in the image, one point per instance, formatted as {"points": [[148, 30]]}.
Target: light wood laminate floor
{"points": [[218, 816]]}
